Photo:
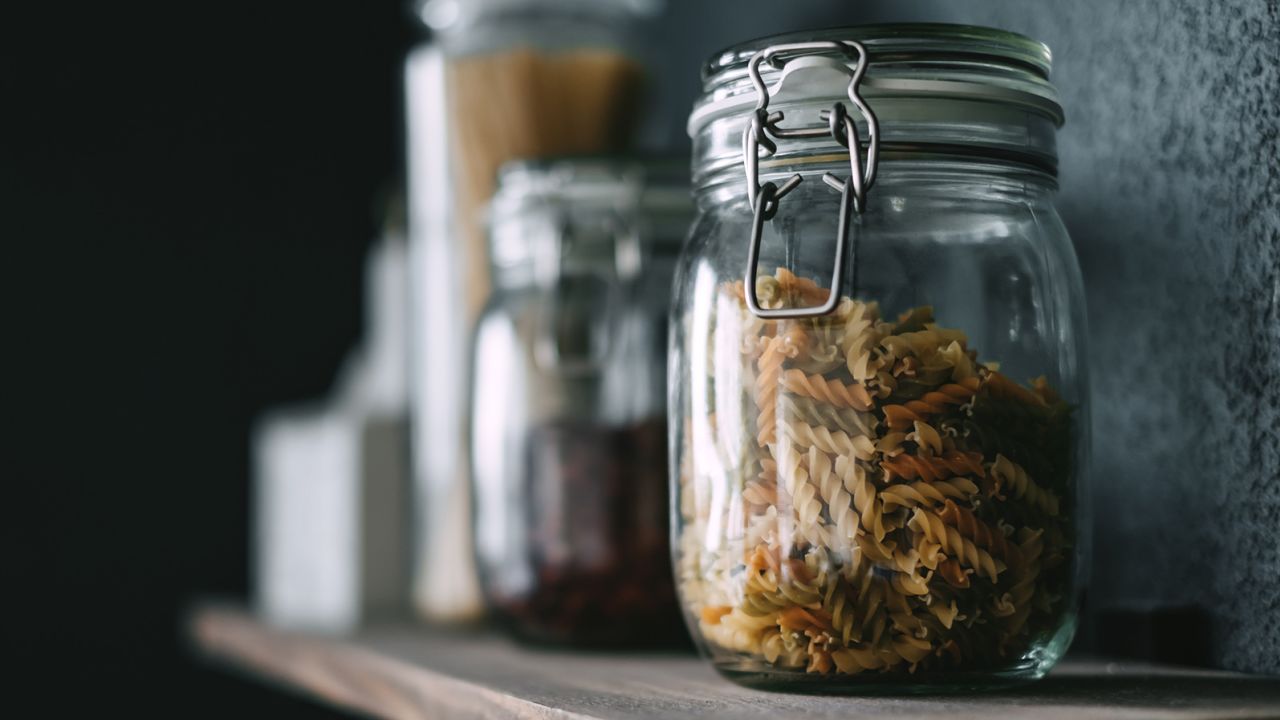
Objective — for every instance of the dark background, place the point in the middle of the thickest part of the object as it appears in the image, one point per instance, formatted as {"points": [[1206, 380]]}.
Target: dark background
{"points": [[187, 191], [190, 189]]}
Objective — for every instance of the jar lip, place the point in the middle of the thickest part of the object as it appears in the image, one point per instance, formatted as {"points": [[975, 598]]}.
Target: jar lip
{"points": [[905, 61], [911, 163], [909, 38]]}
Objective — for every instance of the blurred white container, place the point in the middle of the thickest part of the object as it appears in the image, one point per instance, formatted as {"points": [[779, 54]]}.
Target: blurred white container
{"points": [[332, 494]]}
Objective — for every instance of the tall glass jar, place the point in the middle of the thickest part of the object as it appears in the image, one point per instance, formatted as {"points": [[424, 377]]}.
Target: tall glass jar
{"points": [[569, 401], [878, 389], [498, 80]]}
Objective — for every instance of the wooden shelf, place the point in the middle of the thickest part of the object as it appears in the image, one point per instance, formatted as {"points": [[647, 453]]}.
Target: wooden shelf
{"points": [[405, 671]]}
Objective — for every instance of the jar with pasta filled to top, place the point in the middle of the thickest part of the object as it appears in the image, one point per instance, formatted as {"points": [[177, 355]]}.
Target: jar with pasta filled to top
{"points": [[878, 393], [569, 432]]}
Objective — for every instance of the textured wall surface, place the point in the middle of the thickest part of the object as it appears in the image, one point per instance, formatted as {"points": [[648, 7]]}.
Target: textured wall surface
{"points": [[1171, 188]]}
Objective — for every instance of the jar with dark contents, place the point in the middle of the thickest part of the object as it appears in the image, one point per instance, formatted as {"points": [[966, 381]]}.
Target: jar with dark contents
{"points": [[569, 434]]}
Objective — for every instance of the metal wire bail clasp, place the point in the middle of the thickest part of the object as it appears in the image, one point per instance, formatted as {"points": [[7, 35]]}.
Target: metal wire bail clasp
{"points": [[764, 128], [628, 266]]}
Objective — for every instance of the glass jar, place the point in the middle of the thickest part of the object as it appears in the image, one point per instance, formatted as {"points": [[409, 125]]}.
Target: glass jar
{"points": [[569, 402], [499, 80], [878, 390]]}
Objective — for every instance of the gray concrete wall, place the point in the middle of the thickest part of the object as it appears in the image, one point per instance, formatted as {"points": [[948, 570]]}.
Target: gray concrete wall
{"points": [[1171, 188]]}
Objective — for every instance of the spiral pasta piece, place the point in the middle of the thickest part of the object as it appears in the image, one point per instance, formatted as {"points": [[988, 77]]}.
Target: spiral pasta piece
{"points": [[794, 478], [955, 575], [834, 492], [910, 584], [901, 608], [945, 613], [926, 437], [755, 587], [855, 481], [760, 603], [769, 370], [1009, 474], [931, 403], [969, 526], [738, 630], [818, 534], [838, 443], [856, 612], [831, 391], [922, 492], [934, 468], [928, 553], [1024, 588], [1000, 386], [911, 649], [852, 660], [761, 491], [781, 649], [813, 412], [808, 290], [762, 528], [955, 544], [821, 358], [891, 444], [879, 552]]}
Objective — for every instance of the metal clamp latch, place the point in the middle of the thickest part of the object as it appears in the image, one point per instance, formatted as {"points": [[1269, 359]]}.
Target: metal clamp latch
{"points": [[762, 131], [628, 266]]}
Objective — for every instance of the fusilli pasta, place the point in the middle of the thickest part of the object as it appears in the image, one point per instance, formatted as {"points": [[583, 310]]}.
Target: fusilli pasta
{"points": [[886, 518]]}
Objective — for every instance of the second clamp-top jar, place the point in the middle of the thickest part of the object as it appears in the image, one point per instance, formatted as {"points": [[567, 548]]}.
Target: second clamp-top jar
{"points": [[878, 392], [569, 401]]}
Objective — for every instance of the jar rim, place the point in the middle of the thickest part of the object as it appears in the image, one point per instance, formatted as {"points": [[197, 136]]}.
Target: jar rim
{"points": [[965, 63], [994, 43]]}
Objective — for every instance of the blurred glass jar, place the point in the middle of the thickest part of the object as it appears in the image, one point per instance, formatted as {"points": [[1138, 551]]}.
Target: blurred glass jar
{"points": [[879, 393], [498, 80], [569, 401]]}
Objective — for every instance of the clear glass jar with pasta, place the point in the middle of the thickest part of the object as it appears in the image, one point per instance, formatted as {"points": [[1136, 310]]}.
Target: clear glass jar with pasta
{"points": [[568, 400], [879, 394]]}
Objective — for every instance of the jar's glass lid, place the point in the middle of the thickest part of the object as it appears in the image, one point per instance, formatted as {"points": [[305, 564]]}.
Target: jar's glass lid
{"points": [[952, 62]]}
